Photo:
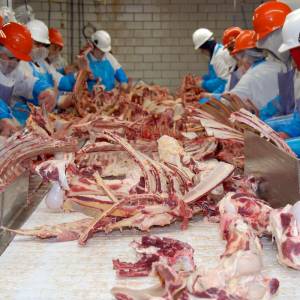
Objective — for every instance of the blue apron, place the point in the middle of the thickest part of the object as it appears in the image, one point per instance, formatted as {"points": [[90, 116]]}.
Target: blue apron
{"points": [[103, 72], [286, 91]]}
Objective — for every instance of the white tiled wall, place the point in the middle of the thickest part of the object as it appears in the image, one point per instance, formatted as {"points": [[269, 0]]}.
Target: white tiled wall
{"points": [[151, 38]]}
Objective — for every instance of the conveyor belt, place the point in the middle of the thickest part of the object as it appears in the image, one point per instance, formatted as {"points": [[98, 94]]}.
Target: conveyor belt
{"points": [[43, 270]]}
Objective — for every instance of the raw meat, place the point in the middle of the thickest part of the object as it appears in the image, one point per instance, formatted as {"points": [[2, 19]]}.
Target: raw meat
{"points": [[285, 227], [152, 249]]}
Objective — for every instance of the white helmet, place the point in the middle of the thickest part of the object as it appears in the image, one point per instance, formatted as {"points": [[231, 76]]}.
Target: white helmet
{"points": [[200, 36], [39, 31], [101, 39], [291, 31]]}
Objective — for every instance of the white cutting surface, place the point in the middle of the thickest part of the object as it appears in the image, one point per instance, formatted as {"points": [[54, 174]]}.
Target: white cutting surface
{"points": [[32, 269]]}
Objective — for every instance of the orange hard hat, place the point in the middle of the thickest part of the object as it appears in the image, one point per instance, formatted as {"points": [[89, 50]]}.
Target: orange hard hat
{"points": [[245, 40], [17, 39], [269, 17], [1, 21], [56, 37], [230, 34]]}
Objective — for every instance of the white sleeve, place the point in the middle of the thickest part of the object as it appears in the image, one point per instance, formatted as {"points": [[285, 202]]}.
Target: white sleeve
{"points": [[24, 80], [243, 89], [223, 63], [56, 75], [259, 84], [115, 64]]}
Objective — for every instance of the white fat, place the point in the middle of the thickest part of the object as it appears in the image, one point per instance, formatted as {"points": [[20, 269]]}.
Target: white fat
{"points": [[296, 212], [55, 197], [169, 150], [183, 263], [226, 205], [241, 226], [242, 263]]}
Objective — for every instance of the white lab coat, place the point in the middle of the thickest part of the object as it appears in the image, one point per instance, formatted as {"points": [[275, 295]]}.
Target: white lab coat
{"points": [[222, 62], [260, 83], [43, 67], [23, 84]]}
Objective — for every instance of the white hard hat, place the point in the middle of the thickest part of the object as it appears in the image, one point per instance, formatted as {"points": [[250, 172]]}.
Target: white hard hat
{"points": [[291, 31], [200, 36], [39, 31], [101, 39]]}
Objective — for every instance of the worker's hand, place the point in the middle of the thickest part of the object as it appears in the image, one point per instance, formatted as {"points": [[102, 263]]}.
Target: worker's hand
{"points": [[82, 62], [9, 127], [124, 87], [48, 97]]}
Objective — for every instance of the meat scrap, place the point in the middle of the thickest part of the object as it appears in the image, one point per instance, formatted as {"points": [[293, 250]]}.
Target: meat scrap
{"points": [[254, 211], [285, 227], [153, 249], [61, 232], [172, 287]]}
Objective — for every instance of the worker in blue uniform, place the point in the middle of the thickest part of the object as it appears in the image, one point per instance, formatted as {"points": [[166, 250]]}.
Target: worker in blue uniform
{"points": [[220, 62], [104, 67]]}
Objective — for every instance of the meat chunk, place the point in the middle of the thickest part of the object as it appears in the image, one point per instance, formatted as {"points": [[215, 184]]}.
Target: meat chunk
{"points": [[153, 249]]}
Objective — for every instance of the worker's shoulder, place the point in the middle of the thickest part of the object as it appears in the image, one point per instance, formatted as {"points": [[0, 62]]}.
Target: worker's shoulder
{"points": [[114, 62]]}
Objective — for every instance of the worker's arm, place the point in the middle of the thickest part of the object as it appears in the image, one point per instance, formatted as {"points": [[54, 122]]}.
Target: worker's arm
{"points": [[120, 74], [27, 86], [215, 85], [63, 82]]}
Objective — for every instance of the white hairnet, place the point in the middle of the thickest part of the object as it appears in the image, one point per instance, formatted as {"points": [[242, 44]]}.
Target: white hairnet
{"points": [[272, 43], [250, 55]]}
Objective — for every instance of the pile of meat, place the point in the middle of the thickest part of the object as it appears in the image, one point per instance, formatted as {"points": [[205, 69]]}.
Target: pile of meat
{"points": [[145, 158]]}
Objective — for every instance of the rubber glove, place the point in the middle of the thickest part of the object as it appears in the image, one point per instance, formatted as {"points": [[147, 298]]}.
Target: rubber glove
{"points": [[5, 112], [268, 111], [49, 98], [289, 124], [294, 144]]}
